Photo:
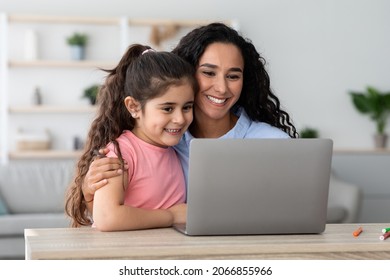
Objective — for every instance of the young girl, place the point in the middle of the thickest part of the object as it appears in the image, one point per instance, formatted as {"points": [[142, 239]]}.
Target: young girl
{"points": [[145, 107]]}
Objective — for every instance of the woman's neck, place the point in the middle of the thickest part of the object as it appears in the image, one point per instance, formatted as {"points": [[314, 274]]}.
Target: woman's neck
{"points": [[203, 127]]}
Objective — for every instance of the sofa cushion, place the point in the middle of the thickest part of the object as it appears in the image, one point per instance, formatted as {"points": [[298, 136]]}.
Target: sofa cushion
{"points": [[336, 214], [31, 187], [14, 225], [3, 207]]}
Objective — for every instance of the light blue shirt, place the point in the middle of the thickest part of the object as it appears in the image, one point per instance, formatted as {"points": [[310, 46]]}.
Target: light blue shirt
{"points": [[244, 128]]}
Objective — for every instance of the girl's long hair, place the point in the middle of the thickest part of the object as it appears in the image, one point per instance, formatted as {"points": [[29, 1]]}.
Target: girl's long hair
{"points": [[141, 73]]}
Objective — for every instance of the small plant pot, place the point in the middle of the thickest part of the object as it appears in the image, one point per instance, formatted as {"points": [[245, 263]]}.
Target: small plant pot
{"points": [[380, 141], [77, 52]]}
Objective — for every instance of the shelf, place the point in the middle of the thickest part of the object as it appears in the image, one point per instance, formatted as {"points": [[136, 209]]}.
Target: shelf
{"points": [[25, 18], [52, 109], [361, 151], [49, 154], [170, 22], [105, 21], [62, 63]]}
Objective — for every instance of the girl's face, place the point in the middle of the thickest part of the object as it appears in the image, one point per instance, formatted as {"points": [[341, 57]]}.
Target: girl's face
{"points": [[164, 119], [220, 77]]}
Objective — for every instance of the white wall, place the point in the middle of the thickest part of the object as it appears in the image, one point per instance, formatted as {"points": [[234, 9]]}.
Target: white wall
{"points": [[316, 50]]}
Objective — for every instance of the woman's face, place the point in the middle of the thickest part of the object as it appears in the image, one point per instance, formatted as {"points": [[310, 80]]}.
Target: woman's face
{"points": [[220, 77]]}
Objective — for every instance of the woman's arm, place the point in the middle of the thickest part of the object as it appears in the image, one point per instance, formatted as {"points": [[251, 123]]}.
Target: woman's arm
{"points": [[110, 214]]}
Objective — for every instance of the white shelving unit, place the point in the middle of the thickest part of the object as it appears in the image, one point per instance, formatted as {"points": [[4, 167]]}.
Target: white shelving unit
{"points": [[62, 79], [3, 89], [51, 109], [14, 68], [60, 64]]}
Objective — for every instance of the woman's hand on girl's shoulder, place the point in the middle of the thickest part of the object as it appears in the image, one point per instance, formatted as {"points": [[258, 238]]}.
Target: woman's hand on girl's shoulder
{"points": [[101, 169]]}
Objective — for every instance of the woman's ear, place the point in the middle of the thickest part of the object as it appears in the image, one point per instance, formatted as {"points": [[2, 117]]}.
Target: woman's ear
{"points": [[133, 106]]}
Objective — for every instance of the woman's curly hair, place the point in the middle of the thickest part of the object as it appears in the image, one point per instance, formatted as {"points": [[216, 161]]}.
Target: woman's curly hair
{"points": [[256, 97]]}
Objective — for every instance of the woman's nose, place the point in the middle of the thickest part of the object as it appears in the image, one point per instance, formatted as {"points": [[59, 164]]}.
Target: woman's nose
{"points": [[220, 84]]}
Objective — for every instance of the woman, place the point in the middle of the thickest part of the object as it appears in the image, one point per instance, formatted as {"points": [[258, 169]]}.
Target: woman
{"points": [[234, 98]]}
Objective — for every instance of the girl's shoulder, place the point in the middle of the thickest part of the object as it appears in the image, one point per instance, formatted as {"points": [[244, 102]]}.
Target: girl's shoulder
{"points": [[126, 142]]}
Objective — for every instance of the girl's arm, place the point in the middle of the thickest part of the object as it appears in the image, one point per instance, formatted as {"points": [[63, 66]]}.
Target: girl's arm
{"points": [[110, 214], [101, 169], [179, 212]]}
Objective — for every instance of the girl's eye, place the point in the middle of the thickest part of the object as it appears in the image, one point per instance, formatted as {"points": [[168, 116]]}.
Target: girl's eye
{"points": [[187, 108], [167, 109]]}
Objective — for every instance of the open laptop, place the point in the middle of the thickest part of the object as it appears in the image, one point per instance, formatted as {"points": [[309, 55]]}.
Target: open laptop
{"points": [[257, 186]]}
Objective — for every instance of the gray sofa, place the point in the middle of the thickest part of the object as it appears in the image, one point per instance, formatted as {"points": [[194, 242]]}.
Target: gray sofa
{"points": [[31, 196], [344, 201]]}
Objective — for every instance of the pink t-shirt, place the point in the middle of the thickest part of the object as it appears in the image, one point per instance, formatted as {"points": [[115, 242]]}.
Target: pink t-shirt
{"points": [[156, 179]]}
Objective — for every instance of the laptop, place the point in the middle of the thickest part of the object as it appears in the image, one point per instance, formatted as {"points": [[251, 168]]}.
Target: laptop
{"points": [[257, 186]]}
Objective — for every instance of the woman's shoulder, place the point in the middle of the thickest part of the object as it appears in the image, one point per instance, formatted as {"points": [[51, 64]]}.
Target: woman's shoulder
{"points": [[264, 130], [254, 129]]}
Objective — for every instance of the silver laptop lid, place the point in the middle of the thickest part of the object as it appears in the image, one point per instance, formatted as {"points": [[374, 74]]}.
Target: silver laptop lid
{"points": [[258, 186]]}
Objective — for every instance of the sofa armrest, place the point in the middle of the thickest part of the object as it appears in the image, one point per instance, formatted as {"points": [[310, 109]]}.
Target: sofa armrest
{"points": [[344, 196]]}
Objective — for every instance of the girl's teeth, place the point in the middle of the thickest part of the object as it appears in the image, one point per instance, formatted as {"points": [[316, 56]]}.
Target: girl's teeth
{"points": [[172, 130]]}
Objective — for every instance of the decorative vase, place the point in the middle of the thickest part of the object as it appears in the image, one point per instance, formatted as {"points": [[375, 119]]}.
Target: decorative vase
{"points": [[31, 45], [77, 52], [380, 141]]}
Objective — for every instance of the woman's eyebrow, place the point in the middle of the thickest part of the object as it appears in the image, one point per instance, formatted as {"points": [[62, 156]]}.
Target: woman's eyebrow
{"points": [[236, 69], [209, 65]]}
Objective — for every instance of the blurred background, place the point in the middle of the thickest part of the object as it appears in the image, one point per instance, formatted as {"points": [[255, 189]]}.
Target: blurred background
{"points": [[316, 53]]}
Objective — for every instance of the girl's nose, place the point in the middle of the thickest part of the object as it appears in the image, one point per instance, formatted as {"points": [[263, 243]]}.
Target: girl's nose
{"points": [[179, 117]]}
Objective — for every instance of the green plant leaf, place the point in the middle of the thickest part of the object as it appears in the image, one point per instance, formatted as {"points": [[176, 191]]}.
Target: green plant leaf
{"points": [[78, 39], [386, 100], [375, 104], [373, 91], [91, 92], [361, 102], [309, 132]]}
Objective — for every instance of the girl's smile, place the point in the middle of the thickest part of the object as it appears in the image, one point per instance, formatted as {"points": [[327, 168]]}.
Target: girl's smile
{"points": [[164, 119]]}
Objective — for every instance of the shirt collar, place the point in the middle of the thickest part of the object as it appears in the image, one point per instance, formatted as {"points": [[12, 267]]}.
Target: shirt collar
{"points": [[238, 131]]}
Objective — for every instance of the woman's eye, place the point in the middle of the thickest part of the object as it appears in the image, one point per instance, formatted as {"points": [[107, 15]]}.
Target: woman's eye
{"points": [[209, 73], [233, 77]]}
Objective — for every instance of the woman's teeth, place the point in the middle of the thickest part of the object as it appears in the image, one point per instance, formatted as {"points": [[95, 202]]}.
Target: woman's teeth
{"points": [[216, 100]]}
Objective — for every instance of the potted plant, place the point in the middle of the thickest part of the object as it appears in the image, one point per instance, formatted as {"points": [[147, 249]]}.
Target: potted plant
{"points": [[77, 42], [91, 93], [376, 105], [309, 132]]}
